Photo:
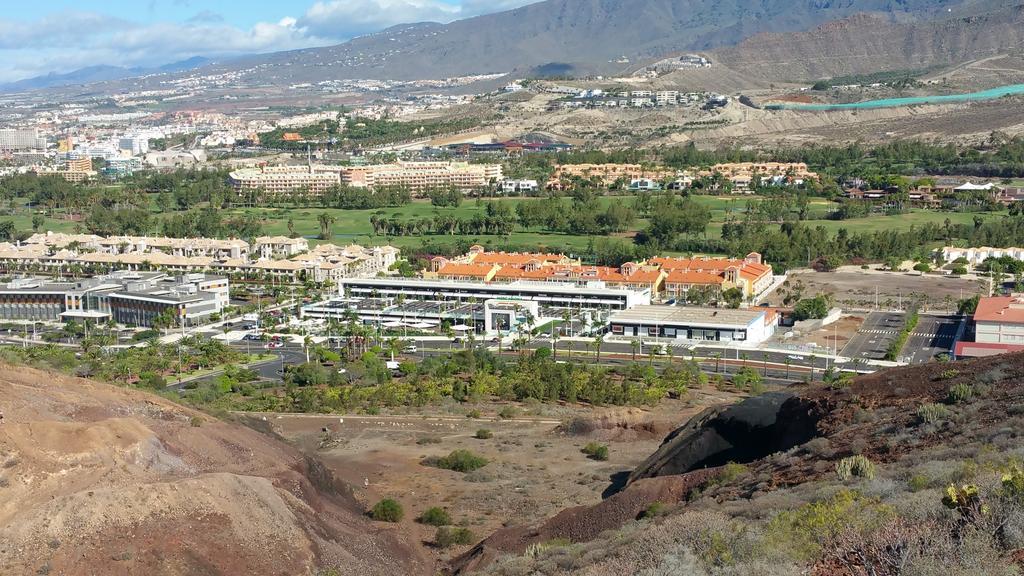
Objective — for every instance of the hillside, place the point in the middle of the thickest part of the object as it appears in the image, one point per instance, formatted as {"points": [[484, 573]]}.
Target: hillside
{"points": [[102, 480], [759, 487], [867, 43], [575, 37]]}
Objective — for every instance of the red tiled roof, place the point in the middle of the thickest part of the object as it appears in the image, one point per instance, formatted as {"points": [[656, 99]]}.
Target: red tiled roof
{"points": [[982, 349], [514, 259], [693, 277], [1002, 309], [453, 269]]}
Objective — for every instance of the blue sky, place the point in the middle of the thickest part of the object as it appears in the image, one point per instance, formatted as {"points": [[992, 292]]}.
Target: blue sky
{"points": [[63, 35]]}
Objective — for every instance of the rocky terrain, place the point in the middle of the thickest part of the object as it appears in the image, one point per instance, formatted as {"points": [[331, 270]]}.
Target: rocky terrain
{"points": [[758, 487], [101, 480], [867, 43]]}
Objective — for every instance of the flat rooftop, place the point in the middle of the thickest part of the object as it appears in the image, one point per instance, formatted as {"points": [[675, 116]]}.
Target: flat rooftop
{"points": [[677, 315]]}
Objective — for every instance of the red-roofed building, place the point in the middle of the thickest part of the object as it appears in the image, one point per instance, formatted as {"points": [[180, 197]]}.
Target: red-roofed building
{"points": [[998, 327], [750, 274]]}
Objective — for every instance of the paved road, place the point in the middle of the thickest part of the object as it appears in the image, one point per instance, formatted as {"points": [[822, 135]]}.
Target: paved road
{"points": [[933, 336], [876, 333]]}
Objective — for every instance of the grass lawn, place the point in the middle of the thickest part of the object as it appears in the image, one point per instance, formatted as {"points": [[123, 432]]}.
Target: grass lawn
{"points": [[354, 225]]}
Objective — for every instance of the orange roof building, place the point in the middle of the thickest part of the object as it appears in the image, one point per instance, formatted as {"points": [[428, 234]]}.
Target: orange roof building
{"points": [[749, 274]]}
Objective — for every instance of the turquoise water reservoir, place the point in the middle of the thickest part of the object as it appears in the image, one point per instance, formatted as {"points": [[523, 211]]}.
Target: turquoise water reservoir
{"points": [[910, 101]]}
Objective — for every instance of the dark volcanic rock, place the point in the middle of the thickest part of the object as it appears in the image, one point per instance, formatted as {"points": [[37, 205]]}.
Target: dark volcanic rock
{"points": [[743, 432]]}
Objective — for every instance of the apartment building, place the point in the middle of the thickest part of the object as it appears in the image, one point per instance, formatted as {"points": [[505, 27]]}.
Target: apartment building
{"points": [[750, 274], [479, 265], [606, 174], [281, 258], [12, 140], [420, 176], [977, 256], [184, 247], [277, 247], [742, 174], [284, 180]]}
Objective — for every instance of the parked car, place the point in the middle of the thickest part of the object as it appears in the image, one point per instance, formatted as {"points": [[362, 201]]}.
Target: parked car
{"points": [[274, 345]]}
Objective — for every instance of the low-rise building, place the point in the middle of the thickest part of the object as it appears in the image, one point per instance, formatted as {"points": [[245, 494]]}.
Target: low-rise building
{"points": [[130, 298], [977, 256], [685, 323], [275, 247], [998, 324], [750, 274], [519, 186]]}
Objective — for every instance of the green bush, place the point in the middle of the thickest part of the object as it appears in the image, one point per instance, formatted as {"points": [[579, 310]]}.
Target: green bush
{"points": [[949, 375], [428, 440], [596, 451], [855, 466], [473, 414], [922, 267], [448, 536], [799, 534], [508, 412], [918, 482], [958, 270], [959, 393], [435, 517], [387, 510], [931, 413], [459, 461], [654, 510], [484, 434]]}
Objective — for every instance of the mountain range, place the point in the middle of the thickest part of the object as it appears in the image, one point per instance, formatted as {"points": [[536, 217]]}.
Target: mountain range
{"points": [[581, 37], [788, 39], [100, 73]]}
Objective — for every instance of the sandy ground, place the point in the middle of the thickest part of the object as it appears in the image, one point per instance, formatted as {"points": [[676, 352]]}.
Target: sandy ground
{"points": [[857, 289], [536, 467], [96, 479]]}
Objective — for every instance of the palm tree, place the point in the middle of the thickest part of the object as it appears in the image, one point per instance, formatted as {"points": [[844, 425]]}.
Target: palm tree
{"points": [[394, 347], [744, 356], [718, 358], [765, 358], [635, 345], [598, 341], [554, 340], [788, 364], [307, 342]]}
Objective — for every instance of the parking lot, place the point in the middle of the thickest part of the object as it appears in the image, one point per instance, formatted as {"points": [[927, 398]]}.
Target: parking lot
{"points": [[874, 337], [933, 336]]}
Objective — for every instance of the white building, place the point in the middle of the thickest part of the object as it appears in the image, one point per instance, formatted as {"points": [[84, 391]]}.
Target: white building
{"points": [[275, 247], [12, 139], [709, 324], [134, 145], [977, 256], [520, 186]]}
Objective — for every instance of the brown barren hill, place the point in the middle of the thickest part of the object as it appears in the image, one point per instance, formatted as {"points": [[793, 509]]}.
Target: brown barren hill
{"points": [[96, 479]]}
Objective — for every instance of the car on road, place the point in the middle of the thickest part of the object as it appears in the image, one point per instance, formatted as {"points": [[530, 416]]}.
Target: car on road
{"points": [[796, 357], [274, 345], [409, 350]]}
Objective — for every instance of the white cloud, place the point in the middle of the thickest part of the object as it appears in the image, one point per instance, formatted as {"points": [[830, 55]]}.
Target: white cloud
{"points": [[68, 40]]}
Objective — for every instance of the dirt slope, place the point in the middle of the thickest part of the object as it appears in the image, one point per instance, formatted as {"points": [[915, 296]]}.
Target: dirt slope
{"points": [[102, 480]]}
